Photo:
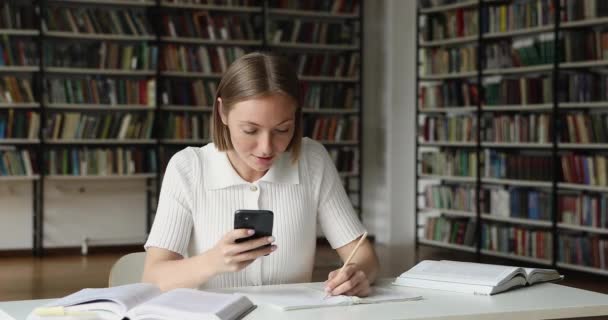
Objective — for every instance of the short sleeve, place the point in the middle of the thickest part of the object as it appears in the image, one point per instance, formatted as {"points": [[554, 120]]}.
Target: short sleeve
{"points": [[337, 216], [173, 221]]}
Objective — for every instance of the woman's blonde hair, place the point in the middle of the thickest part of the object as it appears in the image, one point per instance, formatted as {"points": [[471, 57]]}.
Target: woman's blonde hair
{"points": [[256, 75]]}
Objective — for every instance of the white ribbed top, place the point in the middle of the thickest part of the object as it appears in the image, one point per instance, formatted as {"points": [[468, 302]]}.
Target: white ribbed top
{"points": [[201, 191]]}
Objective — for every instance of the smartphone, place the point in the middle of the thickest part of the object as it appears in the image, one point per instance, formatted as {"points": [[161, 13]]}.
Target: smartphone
{"points": [[258, 220]]}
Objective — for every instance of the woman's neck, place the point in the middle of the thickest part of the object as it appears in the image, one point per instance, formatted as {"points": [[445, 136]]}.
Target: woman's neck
{"points": [[242, 169]]}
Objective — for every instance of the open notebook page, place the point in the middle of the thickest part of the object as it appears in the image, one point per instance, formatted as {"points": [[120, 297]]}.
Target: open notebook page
{"points": [[5, 316], [307, 296], [460, 272]]}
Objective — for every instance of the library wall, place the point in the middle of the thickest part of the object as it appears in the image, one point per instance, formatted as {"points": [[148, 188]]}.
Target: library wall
{"points": [[105, 213], [113, 212], [16, 215]]}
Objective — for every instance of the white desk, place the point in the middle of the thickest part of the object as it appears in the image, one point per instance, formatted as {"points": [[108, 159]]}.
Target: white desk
{"points": [[544, 301]]}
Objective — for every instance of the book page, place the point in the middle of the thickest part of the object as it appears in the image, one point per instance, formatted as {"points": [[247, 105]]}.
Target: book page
{"points": [[461, 272], [534, 275], [123, 297], [193, 304]]}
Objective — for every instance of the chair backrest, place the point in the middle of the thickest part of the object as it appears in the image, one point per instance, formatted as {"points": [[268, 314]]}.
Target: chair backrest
{"points": [[128, 269]]}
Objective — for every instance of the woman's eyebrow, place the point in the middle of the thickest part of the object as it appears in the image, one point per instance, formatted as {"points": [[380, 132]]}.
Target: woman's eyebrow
{"points": [[258, 125]]}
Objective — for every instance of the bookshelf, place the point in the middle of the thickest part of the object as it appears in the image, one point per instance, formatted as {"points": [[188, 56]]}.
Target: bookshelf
{"points": [[528, 117], [324, 39], [98, 91]]}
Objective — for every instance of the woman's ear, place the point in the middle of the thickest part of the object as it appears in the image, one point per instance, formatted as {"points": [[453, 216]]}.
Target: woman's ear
{"points": [[220, 109]]}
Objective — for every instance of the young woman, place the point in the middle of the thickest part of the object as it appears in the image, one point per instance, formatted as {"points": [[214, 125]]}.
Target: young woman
{"points": [[258, 160]]}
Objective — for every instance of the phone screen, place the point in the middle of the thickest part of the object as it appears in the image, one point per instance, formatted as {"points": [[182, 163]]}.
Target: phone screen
{"points": [[258, 220]]}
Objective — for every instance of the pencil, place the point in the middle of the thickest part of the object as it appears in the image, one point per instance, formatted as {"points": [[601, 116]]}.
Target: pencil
{"points": [[350, 257]]}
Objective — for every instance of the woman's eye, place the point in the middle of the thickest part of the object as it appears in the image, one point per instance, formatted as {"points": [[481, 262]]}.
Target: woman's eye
{"points": [[282, 130], [249, 131]]}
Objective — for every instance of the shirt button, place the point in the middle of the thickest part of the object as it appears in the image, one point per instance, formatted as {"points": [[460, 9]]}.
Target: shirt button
{"points": [[253, 188]]}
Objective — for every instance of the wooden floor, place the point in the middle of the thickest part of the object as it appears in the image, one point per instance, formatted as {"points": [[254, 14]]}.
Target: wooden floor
{"points": [[24, 278]]}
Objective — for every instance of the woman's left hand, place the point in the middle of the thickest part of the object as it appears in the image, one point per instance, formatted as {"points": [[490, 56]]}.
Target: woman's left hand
{"points": [[352, 281]]}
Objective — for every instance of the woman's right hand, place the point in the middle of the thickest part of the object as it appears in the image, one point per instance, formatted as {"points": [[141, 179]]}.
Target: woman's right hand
{"points": [[229, 256]]}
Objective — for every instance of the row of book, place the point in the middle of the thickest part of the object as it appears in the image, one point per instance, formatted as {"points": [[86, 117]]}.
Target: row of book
{"points": [[332, 128], [299, 31], [500, 90], [460, 163], [518, 203], [583, 250], [449, 60], [521, 52], [575, 168], [513, 202], [14, 162], [589, 210], [225, 3], [454, 128], [104, 125], [583, 87], [517, 15], [102, 55], [584, 128], [187, 126], [206, 25], [573, 10], [427, 4], [459, 231], [14, 15], [515, 240], [332, 6], [98, 90], [586, 45], [462, 22], [188, 92], [451, 24], [451, 197], [449, 93], [19, 125], [96, 20], [18, 52], [329, 96], [200, 58], [504, 165], [99, 161], [527, 128], [327, 64], [584, 169], [345, 159], [15, 90]]}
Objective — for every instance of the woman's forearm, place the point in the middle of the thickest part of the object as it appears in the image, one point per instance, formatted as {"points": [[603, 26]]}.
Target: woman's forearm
{"points": [[181, 273]]}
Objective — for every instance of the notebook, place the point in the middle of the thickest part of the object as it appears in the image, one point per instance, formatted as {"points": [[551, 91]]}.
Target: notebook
{"points": [[146, 301], [469, 277], [5, 316], [309, 296]]}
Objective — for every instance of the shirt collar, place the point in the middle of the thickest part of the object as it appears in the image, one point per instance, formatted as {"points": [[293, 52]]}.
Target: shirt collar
{"points": [[220, 174]]}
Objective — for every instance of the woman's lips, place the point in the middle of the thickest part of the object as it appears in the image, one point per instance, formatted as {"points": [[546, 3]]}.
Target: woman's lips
{"points": [[264, 160]]}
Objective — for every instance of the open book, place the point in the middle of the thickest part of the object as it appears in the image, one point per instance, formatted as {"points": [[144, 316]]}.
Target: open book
{"points": [[309, 296], [146, 301], [468, 277]]}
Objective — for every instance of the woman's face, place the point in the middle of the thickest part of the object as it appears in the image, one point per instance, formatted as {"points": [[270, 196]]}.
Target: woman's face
{"points": [[260, 130]]}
